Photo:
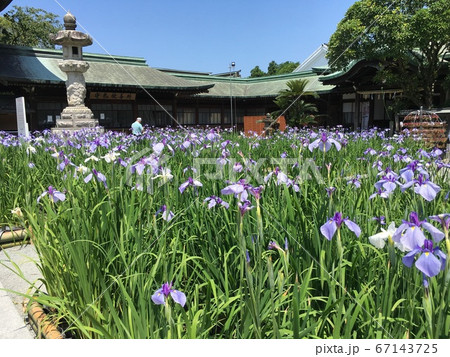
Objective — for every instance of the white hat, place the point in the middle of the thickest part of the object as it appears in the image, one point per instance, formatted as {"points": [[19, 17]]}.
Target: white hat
{"points": [[139, 119]]}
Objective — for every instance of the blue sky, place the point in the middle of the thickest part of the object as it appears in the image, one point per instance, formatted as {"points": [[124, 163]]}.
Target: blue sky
{"points": [[204, 35]]}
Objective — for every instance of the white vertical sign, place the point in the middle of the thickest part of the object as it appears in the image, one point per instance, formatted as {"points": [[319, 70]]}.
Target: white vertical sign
{"points": [[22, 126]]}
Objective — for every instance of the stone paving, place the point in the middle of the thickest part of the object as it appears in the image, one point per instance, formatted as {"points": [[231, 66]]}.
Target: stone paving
{"points": [[12, 321]]}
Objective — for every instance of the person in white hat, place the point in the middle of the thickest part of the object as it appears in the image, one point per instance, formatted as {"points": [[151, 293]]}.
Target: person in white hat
{"points": [[136, 127]]}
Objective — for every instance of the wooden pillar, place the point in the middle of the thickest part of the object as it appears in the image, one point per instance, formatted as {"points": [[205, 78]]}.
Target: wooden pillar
{"points": [[357, 111], [371, 109], [134, 105], [32, 113], [340, 112], [196, 111], [174, 110], [397, 123]]}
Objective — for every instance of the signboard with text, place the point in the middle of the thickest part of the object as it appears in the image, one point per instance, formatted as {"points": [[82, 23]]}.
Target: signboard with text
{"points": [[112, 96], [22, 125]]}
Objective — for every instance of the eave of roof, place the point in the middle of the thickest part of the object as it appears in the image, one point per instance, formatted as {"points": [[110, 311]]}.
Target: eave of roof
{"points": [[261, 87], [54, 53], [181, 71], [42, 66], [351, 70], [4, 4]]}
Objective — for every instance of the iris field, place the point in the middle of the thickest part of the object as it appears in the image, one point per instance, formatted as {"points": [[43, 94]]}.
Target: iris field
{"points": [[202, 233]]}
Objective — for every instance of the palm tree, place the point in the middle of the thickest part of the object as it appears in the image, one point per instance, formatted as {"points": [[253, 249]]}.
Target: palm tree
{"points": [[296, 110]]}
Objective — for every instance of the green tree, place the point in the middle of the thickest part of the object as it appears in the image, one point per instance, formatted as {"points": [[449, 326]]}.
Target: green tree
{"points": [[287, 67], [409, 38], [257, 72], [274, 69], [297, 111], [28, 26]]}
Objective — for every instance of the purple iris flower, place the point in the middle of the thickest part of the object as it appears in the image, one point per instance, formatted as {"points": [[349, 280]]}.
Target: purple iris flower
{"points": [[436, 152], [185, 145], [64, 163], [139, 167], [378, 164], [329, 228], [166, 215], [381, 219], [211, 136], [158, 148], [100, 177], [193, 169], [410, 233], [424, 153], [53, 194], [214, 200], [273, 245], [389, 182], [443, 219], [238, 189], [223, 160], [160, 296], [292, 183], [431, 260], [237, 167], [380, 193], [189, 182], [355, 181], [324, 143], [440, 165], [330, 190], [424, 187], [409, 171], [370, 151], [122, 162], [244, 207], [389, 147], [281, 177], [256, 191], [59, 154]]}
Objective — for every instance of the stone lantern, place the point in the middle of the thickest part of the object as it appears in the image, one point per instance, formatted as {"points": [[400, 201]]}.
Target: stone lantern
{"points": [[270, 124], [76, 116]]}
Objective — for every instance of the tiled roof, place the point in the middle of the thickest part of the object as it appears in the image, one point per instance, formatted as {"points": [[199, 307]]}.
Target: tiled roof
{"points": [[316, 59], [351, 70], [4, 4], [24, 64], [255, 87]]}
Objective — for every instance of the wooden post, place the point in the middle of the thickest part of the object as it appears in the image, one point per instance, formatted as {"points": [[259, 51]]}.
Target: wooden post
{"points": [[196, 112], [174, 110], [397, 123], [357, 110]]}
